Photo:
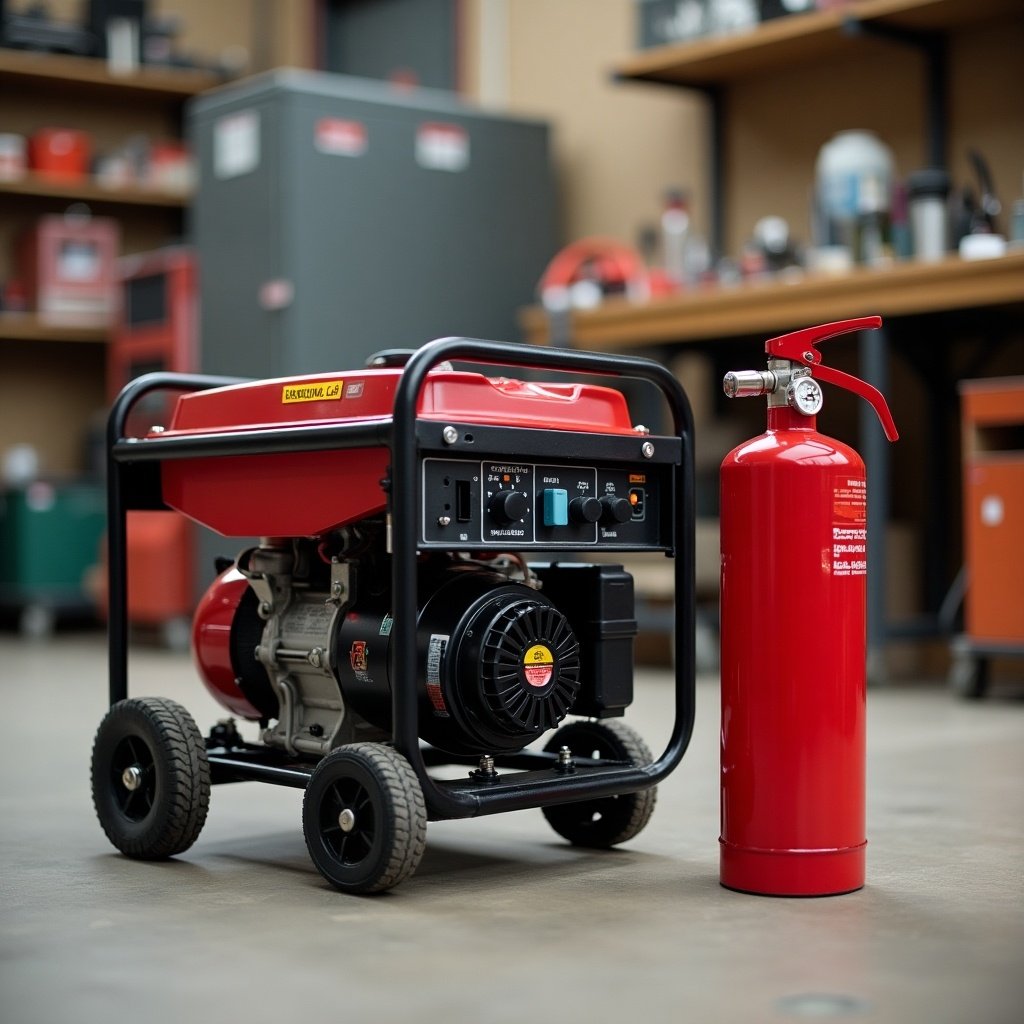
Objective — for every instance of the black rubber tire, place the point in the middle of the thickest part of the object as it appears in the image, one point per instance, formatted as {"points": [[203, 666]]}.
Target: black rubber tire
{"points": [[607, 821], [384, 843], [163, 813]]}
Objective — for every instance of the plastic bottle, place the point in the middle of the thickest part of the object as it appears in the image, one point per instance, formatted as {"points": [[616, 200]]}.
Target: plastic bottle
{"points": [[1017, 221], [899, 223], [928, 192], [675, 234]]}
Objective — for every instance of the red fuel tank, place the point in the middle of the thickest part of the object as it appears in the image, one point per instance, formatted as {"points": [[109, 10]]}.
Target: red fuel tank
{"points": [[215, 636]]}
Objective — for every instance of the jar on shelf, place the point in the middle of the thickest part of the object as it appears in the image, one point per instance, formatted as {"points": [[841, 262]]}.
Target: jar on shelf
{"points": [[854, 179]]}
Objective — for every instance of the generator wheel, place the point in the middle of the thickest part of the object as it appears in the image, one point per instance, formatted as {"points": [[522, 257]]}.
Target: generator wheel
{"points": [[150, 778], [364, 818], [606, 821]]}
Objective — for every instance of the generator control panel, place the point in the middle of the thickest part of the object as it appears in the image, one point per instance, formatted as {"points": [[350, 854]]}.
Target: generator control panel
{"points": [[514, 504]]}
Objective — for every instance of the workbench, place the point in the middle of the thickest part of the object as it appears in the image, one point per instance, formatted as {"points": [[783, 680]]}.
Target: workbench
{"points": [[925, 307]]}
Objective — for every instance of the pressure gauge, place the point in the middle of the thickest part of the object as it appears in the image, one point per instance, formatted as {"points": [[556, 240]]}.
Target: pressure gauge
{"points": [[804, 395]]}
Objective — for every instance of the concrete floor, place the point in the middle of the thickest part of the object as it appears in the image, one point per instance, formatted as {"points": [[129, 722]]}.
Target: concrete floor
{"points": [[504, 922]]}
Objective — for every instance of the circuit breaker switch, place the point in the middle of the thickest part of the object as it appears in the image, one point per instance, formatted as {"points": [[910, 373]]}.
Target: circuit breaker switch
{"points": [[556, 506]]}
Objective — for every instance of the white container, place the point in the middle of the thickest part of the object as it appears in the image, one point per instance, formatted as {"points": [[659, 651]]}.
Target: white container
{"points": [[854, 174], [982, 247], [675, 236]]}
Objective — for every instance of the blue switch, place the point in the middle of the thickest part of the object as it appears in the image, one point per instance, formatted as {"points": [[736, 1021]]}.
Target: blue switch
{"points": [[556, 507]]}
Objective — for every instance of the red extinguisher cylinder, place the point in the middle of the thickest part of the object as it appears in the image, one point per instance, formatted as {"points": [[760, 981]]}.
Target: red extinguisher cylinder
{"points": [[793, 632], [793, 689]]}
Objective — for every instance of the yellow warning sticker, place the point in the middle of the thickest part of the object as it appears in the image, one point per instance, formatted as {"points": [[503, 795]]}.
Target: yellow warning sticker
{"points": [[321, 391], [538, 665]]}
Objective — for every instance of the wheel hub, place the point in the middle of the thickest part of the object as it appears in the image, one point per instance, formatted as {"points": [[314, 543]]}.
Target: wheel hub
{"points": [[131, 777], [347, 820]]}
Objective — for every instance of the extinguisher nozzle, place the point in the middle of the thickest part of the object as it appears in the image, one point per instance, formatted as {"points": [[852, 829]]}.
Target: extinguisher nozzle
{"points": [[749, 383]]}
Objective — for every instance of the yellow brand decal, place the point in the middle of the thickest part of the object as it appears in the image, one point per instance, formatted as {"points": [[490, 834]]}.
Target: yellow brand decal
{"points": [[538, 654], [638, 478], [538, 666], [323, 391]]}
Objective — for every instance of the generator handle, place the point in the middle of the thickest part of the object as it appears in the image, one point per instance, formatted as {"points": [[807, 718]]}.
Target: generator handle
{"points": [[119, 494], [404, 485]]}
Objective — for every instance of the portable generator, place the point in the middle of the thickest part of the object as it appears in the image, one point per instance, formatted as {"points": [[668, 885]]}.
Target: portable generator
{"points": [[404, 656]]}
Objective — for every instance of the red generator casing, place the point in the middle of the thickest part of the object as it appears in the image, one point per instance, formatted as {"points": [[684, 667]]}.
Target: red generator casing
{"points": [[794, 565]]}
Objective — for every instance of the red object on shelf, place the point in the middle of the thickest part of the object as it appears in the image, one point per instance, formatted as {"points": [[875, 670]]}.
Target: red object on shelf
{"points": [[68, 265], [156, 327], [170, 166], [610, 265], [61, 153], [794, 568]]}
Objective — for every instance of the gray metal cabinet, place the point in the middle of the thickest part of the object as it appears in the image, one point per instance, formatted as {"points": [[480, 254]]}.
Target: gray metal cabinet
{"points": [[336, 216]]}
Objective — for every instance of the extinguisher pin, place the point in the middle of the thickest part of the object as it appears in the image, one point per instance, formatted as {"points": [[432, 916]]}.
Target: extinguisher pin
{"points": [[749, 383]]}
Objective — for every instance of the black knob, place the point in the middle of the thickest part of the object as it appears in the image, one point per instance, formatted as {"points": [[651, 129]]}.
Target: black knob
{"points": [[584, 510], [508, 507], [615, 510]]}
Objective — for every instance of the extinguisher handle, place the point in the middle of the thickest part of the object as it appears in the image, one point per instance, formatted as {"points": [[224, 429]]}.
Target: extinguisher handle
{"points": [[866, 391], [799, 348]]}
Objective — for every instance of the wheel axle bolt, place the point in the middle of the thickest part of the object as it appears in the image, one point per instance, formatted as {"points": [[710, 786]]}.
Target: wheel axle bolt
{"points": [[486, 772], [131, 778], [347, 820]]}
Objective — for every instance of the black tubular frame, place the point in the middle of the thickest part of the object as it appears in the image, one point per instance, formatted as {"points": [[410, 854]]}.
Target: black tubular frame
{"points": [[124, 492], [133, 483]]}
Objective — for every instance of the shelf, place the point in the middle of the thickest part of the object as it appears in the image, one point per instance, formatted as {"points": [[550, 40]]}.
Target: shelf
{"points": [[172, 84], [760, 308], [88, 191], [799, 39], [28, 327]]}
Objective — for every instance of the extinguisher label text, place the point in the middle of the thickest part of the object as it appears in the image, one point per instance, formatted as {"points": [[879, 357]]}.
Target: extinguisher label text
{"points": [[849, 532], [849, 551], [850, 503]]}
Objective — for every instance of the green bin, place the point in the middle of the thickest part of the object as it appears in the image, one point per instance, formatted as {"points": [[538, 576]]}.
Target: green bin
{"points": [[49, 539]]}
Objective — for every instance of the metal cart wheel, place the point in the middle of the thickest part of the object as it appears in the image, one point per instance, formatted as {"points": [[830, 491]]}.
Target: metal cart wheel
{"points": [[607, 821], [176, 634], [364, 818], [37, 621], [150, 778], [969, 675]]}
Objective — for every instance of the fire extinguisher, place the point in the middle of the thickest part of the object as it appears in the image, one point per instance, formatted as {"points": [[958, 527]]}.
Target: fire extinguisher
{"points": [[794, 564]]}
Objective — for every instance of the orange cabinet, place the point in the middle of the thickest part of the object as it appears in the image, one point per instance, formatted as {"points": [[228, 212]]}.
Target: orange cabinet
{"points": [[993, 447], [992, 420]]}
